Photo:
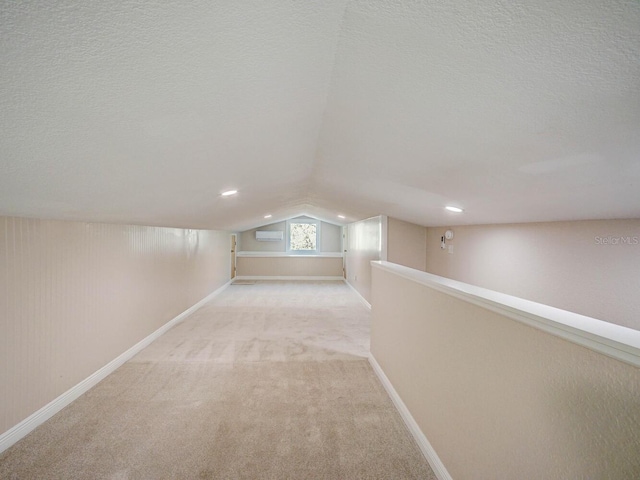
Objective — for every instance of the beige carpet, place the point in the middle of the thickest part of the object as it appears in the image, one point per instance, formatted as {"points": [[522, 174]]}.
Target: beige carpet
{"points": [[267, 381]]}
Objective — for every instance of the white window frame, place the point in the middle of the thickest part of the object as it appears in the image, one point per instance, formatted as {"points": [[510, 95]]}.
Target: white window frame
{"points": [[317, 223]]}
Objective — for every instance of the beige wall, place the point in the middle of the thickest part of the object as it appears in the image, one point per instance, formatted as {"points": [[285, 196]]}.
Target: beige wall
{"points": [[406, 244], [364, 244], [501, 400], [289, 266], [74, 296], [562, 264], [330, 238]]}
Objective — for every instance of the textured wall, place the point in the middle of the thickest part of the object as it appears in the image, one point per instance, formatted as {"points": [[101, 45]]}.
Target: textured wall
{"points": [[290, 266], [331, 238], [73, 296], [583, 267], [364, 244], [406, 244], [501, 400]]}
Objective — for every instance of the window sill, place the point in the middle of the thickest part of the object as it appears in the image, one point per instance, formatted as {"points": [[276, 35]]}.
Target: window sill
{"points": [[289, 254]]}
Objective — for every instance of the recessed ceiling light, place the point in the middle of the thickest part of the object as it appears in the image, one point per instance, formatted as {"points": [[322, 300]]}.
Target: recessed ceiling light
{"points": [[229, 192], [340, 216], [267, 216], [453, 209]]}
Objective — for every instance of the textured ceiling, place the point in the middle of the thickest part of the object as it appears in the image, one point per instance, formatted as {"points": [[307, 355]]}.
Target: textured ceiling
{"points": [[143, 112]]}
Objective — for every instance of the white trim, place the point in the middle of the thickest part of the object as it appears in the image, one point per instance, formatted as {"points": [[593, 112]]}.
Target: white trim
{"points": [[289, 277], [360, 297], [287, 255], [425, 447], [613, 340], [26, 426]]}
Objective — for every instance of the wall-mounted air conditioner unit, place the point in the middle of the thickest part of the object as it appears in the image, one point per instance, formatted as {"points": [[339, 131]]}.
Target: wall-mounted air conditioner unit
{"points": [[269, 235]]}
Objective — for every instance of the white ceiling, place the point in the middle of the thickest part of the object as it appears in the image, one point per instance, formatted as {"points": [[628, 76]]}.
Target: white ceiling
{"points": [[143, 112]]}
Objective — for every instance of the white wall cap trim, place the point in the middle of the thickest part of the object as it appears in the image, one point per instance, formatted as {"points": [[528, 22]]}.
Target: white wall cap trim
{"points": [[285, 254], [26, 426], [621, 343]]}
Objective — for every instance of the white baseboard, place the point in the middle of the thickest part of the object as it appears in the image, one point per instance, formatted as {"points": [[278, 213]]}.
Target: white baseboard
{"points": [[427, 450], [285, 277], [362, 299], [14, 434]]}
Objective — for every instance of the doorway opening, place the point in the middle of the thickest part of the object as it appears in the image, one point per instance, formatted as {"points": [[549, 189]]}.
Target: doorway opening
{"points": [[233, 256]]}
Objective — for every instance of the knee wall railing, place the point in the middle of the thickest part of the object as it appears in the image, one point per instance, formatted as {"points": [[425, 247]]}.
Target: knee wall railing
{"points": [[493, 386]]}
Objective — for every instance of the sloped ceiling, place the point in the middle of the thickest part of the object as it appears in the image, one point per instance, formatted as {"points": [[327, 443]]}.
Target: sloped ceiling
{"points": [[144, 112]]}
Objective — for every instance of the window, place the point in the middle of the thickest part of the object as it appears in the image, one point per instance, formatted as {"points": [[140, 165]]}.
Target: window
{"points": [[303, 236]]}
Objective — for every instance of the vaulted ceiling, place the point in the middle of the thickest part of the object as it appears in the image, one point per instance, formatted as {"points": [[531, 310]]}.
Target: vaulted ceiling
{"points": [[137, 111]]}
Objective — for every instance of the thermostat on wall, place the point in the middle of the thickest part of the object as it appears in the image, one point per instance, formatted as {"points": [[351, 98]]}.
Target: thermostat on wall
{"points": [[448, 234]]}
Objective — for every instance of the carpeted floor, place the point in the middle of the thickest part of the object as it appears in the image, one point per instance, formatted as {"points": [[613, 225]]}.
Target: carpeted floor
{"points": [[267, 381]]}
